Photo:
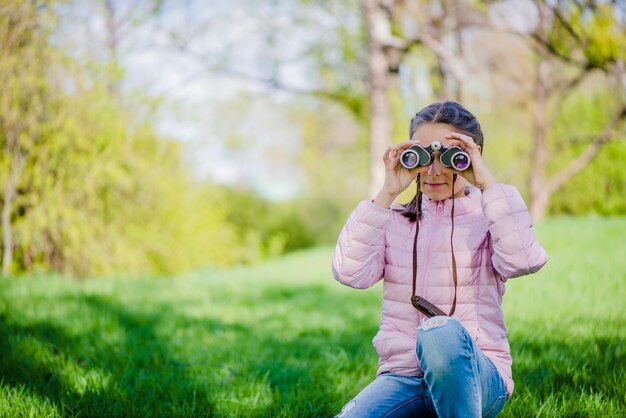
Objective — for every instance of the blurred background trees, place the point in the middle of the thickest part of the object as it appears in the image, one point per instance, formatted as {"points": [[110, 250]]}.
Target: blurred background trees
{"points": [[151, 137], [569, 42], [88, 186]]}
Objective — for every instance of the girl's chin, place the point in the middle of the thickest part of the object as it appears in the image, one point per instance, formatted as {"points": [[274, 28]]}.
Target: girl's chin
{"points": [[438, 194]]}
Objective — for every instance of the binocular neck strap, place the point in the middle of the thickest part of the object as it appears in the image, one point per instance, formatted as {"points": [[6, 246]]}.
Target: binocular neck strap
{"points": [[417, 227], [454, 278]]}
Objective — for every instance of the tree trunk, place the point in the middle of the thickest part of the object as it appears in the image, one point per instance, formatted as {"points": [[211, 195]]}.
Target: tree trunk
{"points": [[112, 41], [7, 232], [451, 27], [538, 192], [541, 187], [10, 189], [378, 29]]}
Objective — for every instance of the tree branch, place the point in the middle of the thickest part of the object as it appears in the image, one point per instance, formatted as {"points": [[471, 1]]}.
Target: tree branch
{"points": [[549, 47], [439, 50], [567, 87], [557, 13], [590, 152]]}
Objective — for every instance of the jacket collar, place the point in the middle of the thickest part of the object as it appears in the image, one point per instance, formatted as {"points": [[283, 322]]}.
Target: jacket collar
{"points": [[471, 202]]}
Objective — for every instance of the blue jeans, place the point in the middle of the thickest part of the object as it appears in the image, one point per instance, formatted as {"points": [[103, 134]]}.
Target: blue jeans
{"points": [[459, 380]]}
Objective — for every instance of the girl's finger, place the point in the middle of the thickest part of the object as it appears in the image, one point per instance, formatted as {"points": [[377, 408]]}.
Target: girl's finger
{"points": [[404, 145], [466, 140], [460, 136]]}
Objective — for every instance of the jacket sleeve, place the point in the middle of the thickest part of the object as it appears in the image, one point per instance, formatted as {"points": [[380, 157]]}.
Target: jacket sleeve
{"points": [[359, 258], [515, 249]]}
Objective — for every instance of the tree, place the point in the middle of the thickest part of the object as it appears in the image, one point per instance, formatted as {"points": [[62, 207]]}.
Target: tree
{"points": [[394, 28], [383, 53], [586, 36], [23, 97], [88, 186], [590, 38]]}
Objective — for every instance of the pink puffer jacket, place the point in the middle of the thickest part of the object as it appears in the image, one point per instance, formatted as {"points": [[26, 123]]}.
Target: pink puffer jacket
{"points": [[493, 241]]}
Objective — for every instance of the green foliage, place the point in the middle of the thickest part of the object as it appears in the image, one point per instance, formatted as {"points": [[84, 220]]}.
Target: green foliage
{"points": [[284, 339], [100, 192], [24, 92], [97, 191], [328, 158], [606, 39], [601, 186], [99, 199], [592, 31], [265, 229], [335, 159], [340, 58]]}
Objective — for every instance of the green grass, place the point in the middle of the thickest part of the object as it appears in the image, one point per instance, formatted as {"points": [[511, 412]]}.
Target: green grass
{"points": [[284, 339]]}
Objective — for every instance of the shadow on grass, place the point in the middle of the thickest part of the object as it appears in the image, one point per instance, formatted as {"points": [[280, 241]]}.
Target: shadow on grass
{"points": [[128, 360], [120, 369], [121, 361]]}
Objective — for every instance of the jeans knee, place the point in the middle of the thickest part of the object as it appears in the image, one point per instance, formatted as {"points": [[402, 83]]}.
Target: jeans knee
{"points": [[440, 328], [345, 411], [439, 341], [436, 322]]}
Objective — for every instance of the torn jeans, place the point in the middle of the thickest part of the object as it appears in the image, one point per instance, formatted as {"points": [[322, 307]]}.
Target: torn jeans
{"points": [[459, 380]]}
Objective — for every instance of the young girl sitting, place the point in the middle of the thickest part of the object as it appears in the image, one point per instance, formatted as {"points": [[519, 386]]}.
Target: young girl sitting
{"points": [[454, 245]]}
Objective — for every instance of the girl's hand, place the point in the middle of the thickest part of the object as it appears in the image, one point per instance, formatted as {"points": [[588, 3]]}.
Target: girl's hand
{"points": [[397, 178], [478, 173]]}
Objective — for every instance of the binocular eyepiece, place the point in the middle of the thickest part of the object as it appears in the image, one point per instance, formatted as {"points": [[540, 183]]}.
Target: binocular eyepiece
{"points": [[418, 156]]}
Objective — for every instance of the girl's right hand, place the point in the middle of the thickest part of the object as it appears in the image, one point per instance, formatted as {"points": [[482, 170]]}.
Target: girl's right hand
{"points": [[397, 178]]}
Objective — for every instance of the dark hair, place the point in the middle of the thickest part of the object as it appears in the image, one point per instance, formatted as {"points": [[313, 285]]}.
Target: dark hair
{"points": [[450, 113]]}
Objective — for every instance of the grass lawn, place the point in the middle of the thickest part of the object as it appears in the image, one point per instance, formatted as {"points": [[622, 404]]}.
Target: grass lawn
{"points": [[284, 339]]}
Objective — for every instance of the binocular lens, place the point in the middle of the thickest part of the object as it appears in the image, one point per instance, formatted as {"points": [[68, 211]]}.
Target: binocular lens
{"points": [[409, 159], [460, 161], [417, 155]]}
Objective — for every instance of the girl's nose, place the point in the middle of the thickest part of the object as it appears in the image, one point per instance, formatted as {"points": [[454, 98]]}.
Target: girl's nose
{"points": [[435, 168]]}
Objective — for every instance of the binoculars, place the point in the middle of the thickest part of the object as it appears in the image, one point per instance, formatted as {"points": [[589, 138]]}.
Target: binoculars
{"points": [[418, 156]]}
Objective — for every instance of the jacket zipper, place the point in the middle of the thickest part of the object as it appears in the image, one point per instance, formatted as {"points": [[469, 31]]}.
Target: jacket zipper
{"points": [[426, 266]]}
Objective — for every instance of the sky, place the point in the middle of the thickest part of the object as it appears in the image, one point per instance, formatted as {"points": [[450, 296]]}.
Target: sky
{"points": [[205, 59]]}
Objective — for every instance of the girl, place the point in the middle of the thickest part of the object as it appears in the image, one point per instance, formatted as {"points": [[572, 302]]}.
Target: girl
{"points": [[454, 245]]}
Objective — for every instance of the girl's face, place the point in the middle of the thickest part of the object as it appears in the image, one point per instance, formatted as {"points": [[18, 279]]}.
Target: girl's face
{"points": [[435, 179]]}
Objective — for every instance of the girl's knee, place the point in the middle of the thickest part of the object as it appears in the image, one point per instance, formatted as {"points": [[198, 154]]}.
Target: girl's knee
{"points": [[437, 322], [441, 337], [440, 328], [347, 410]]}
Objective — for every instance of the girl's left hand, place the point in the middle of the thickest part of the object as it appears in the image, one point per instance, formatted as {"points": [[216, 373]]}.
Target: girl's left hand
{"points": [[478, 173]]}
